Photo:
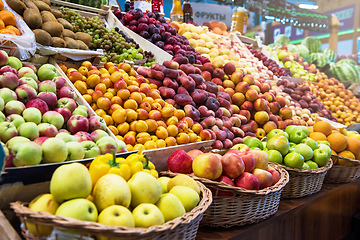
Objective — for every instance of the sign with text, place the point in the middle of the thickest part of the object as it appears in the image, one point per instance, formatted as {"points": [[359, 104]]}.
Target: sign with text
{"points": [[292, 32], [204, 12], [345, 16]]}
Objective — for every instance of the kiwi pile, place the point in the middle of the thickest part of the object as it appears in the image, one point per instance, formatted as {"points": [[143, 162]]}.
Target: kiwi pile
{"points": [[49, 27]]}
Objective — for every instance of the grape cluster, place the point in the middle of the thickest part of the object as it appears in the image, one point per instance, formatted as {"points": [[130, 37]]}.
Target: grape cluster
{"points": [[116, 45]]}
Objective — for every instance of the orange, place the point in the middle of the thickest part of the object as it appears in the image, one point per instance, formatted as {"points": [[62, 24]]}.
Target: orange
{"points": [[7, 17], [10, 27], [337, 142], [7, 31], [323, 127], [1, 5], [353, 145], [2, 24], [317, 136], [347, 154]]}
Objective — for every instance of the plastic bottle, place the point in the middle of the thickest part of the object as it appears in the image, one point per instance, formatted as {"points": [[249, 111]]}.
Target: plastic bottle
{"points": [[239, 20], [188, 12], [176, 13]]}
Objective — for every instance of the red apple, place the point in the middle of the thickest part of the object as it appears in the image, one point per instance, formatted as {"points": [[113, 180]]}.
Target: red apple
{"points": [[232, 165], [247, 181], [180, 162], [264, 177]]}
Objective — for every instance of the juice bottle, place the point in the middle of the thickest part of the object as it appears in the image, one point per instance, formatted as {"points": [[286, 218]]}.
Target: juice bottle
{"points": [[188, 12], [239, 20], [176, 14]]}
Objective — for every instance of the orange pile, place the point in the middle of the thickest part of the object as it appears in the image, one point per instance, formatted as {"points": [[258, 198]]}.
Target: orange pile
{"points": [[7, 22]]}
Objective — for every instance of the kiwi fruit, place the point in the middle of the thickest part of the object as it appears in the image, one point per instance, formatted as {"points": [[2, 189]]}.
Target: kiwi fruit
{"points": [[68, 33], [54, 28], [58, 42], [47, 2], [82, 45], [42, 37], [65, 23], [31, 4], [18, 6], [85, 37], [71, 43], [42, 6], [56, 13], [32, 18], [47, 16]]}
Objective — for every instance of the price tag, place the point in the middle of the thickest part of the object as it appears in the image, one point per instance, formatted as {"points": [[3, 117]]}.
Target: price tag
{"points": [[259, 42]]}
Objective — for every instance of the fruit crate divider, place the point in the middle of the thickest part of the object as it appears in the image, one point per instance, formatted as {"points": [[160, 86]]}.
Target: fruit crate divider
{"points": [[87, 9]]}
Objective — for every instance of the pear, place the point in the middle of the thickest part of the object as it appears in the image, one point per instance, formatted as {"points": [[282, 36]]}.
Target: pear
{"points": [[183, 180]]}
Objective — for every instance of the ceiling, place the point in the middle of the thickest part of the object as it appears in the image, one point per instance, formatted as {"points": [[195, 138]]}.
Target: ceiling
{"points": [[296, 2]]}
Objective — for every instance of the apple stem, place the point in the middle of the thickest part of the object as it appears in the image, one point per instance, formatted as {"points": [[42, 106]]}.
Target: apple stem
{"points": [[146, 164], [113, 162]]}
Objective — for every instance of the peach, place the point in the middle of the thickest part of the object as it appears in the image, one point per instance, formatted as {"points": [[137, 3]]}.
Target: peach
{"points": [[236, 77], [171, 64], [285, 113], [197, 128], [206, 75], [143, 137], [156, 106], [155, 114], [242, 87], [167, 111], [217, 81], [182, 138], [260, 104], [172, 121], [261, 117], [142, 114], [172, 130], [251, 95], [238, 99], [152, 125], [179, 113], [182, 127], [170, 141], [161, 132], [229, 91], [131, 115]]}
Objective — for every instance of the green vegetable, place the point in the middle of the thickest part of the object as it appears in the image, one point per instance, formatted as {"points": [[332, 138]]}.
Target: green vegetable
{"points": [[282, 40]]}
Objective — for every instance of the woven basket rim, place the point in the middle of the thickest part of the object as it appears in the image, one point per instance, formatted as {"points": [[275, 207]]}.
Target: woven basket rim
{"points": [[356, 162], [284, 179], [60, 222], [309, 171]]}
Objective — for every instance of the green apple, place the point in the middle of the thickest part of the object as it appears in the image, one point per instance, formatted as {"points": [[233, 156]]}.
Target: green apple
{"points": [[305, 166], [292, 149], [241, 147], [321, 156], [291, 144], [297, 136], [79, 208], [305, 151], [75, 151], [294, 160], [187, 196], [15, 119], [14, 62], [275, 132], [70, 181], [325, 147], [42, 203], [66, 137], [170, 206], [254, 142], [2, 117], [323, 142], [26, 154], [116, 215], [2, 104], [310, 142], [32, 115], [274, 156], [80, 111], [111, 189], [47, 72], [312, 164], [54, 150], [146, 215], [164, 182], [144, 188], [279, 143], [29, 130], [183, 180], [91, 149], [293, 128], [16, 139]]}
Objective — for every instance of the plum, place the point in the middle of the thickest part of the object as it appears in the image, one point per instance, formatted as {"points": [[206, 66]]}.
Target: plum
{"points": [[143, 27], [133, 22], [143, 20], [151, 15], [144, 34], [155, 37], [154, 30], [172, 31]]}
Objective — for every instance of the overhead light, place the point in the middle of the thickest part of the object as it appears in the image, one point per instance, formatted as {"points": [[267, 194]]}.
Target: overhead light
{"points": [[269, 17], [308, 6]]}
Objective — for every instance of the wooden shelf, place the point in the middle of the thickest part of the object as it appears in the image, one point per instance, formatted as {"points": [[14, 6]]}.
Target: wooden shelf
{"points": [[324, 215]]}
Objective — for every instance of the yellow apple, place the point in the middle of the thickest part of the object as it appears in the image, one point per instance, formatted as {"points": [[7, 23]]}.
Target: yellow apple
{"points": [[42, 203], [111, 189], [146, 215], [187, 196], [183, 180], [144, 188], [163, 182], [79, 208], [170, 206]]}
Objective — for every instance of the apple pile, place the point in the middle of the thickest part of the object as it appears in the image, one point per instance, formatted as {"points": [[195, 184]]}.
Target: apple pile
{"points": [[303, 98], [240, 167], [137, 108], [140, 202], [294, 148], [342, 103], [155, 29], [40, 121], [271, 64]]}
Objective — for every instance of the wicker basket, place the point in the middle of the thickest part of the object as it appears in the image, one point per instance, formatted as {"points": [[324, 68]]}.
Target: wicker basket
{"points": [[246, 206], [344, 173], [184, 227], [304, 182]]}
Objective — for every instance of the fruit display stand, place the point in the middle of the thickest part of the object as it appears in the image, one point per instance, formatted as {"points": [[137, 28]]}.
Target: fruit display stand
{"points": [[184, 227], [347, 172], [304, 182], [246, 206], [20, 46], [159, 156]]}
